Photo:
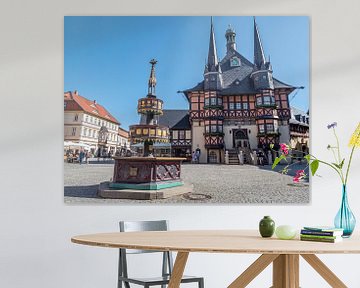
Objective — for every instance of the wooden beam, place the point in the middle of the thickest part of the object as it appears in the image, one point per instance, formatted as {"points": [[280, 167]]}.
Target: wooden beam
{"points": [[178, 269], [293, 270], [253, 270], [324, 271], [286, 271]]}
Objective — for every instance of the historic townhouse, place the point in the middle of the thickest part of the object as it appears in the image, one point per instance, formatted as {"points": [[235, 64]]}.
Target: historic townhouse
{"points": [[238, 105], [88, 122]]}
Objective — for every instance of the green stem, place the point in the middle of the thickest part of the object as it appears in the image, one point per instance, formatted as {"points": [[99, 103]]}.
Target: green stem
{"points": [[348, 167], [333, 152], [338, 149], [333, 167], [350, 159], [338, 145], [323, 162]]}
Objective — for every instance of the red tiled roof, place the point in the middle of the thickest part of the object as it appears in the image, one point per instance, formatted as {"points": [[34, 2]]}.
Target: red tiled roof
{"points": [[124, 133], [75, 102]]}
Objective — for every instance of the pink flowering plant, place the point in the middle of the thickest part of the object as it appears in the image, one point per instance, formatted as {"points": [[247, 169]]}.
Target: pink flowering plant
{"points": [[338, 165]]}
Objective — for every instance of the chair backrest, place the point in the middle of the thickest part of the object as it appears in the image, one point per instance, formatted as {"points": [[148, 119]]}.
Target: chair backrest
{"points": [[137, 226]]}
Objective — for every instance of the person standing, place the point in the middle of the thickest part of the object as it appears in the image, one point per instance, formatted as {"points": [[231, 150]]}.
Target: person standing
{"points": [[81, 156], [198, 153], [87, 155], [193, 157]]}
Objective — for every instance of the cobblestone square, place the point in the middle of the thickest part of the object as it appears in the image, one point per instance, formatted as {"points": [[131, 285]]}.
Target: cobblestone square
{"points": [[228, 184]]}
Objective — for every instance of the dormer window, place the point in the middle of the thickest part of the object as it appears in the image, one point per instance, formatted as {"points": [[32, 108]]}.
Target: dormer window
{"points": [[234, 61]]}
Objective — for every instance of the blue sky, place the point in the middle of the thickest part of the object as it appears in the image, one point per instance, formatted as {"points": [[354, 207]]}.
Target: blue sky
{"points": [[107, 58]]}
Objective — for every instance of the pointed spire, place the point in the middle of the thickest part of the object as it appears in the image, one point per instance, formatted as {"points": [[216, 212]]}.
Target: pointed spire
{"points": [[230, 39], [259, 57], [212, 55]]}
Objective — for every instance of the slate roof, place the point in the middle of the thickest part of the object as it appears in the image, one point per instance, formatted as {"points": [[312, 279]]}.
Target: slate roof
{"points": [[174, 119], [236, 80], [303, 116], [75, 102]]}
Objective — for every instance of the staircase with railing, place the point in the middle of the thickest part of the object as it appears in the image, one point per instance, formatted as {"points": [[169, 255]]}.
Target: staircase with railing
{"points": [[233, 157]]}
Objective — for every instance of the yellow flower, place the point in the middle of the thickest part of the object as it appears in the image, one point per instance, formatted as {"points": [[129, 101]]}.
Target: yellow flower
{"points": [[355, 138]]}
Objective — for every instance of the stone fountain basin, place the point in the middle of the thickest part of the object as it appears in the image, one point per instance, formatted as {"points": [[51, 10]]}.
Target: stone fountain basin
{"points": [[146, 172]]}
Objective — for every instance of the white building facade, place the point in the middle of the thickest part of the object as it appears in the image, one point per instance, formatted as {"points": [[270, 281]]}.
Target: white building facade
{"points": [[83, 120]]}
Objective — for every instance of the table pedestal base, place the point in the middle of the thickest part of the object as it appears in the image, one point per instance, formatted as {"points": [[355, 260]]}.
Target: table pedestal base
{"points": [[285, 271]]}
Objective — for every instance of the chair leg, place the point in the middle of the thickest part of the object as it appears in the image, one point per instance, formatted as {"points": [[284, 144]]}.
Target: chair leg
{"points": [[201, 283]]}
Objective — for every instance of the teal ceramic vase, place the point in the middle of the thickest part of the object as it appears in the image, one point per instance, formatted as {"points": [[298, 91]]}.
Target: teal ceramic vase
{"points": [[345, 219], [267, 227]]}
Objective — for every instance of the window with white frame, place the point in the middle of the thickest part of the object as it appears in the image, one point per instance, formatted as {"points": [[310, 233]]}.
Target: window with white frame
{"points": [[269, 128], [262, 128], [267, 100]]}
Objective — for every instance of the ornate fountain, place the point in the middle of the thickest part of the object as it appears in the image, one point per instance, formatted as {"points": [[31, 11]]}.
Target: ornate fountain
{"points": [[151, 108], [146, 177]]}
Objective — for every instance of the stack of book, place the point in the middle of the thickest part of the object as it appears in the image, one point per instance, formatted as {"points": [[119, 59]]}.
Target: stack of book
{"points": [[321, 234]]}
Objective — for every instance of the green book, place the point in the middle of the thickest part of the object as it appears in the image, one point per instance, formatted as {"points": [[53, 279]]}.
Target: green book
{"points": [[319, 236], [325, 240], [324, 228]]}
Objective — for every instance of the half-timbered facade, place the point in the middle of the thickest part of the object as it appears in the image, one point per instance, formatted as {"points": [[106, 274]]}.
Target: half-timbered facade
{"points": [[299, 130], [178, 122], [238, 105]]}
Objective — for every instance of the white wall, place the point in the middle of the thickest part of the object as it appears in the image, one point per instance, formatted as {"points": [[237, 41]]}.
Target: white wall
{"points": [[35, 224], [198, 140]]}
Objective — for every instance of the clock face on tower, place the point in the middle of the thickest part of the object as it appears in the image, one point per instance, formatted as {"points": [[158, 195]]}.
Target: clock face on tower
{"points": [[234, 61]]}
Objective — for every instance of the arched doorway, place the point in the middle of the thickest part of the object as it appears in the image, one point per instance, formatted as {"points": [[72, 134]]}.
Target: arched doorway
{"points": [[213, 158], [240, 139]]}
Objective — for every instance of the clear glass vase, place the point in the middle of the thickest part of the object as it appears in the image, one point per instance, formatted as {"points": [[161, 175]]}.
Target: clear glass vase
{"points": [[345, 219]]}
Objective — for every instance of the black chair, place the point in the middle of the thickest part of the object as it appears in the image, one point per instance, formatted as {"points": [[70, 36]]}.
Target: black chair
{"points": [[167, 265]]}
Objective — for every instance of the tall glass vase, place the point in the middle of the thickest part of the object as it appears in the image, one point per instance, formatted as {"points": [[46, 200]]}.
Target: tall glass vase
{"points": [[345, 219]]}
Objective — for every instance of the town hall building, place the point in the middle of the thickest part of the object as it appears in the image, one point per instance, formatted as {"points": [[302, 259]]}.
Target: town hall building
{"points": [[239, 105]]}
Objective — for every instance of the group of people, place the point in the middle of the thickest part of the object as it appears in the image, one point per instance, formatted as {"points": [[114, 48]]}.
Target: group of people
{"points": [[78, 156]]}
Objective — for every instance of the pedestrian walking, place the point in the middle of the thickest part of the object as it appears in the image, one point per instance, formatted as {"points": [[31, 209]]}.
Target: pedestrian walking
{"points": [[193, 157], [81, 156], [87, 156], [198, 153]]}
